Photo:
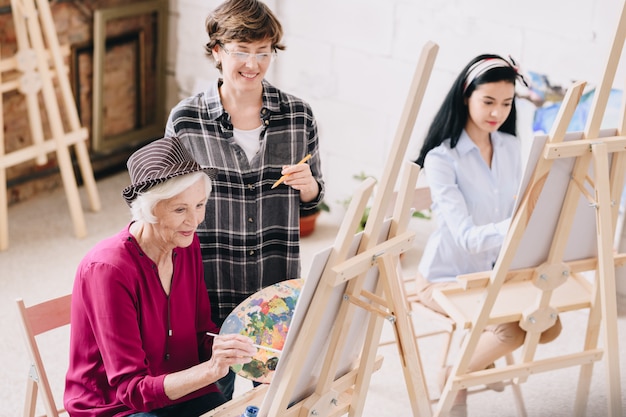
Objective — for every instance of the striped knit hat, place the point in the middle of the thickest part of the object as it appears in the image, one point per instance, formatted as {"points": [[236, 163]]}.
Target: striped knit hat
{"points": [[157, 162]]}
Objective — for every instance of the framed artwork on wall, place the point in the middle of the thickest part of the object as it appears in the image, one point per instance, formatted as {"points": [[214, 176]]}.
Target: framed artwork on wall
{"points": [[150, 45]]}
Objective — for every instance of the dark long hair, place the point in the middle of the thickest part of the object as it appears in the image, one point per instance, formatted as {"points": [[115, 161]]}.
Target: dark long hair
{"points": [[451, 118]]}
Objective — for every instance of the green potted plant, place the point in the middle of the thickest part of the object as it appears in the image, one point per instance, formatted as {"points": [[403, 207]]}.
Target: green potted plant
{"points": [[308, 218]]}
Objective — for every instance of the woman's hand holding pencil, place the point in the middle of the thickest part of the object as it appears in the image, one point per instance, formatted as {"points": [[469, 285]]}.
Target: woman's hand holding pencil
{"points": [[284, 177]]}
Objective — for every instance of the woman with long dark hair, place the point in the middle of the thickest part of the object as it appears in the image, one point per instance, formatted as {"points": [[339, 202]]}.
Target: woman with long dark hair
{"points": [[472, 161]]}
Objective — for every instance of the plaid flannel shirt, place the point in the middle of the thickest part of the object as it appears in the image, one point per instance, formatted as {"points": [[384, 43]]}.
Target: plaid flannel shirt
{"points": [[250, 235]]}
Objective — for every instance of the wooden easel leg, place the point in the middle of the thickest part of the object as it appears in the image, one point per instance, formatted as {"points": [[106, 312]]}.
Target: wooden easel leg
{"points": [[591, 342], [4, 210], [466, 351], [30, 84], [606, 277], [517, 391], [405, 336], [86, 172], [28, 23], [71, 191], [82, 154], [374, 330], [4, 204], [446, 398]]}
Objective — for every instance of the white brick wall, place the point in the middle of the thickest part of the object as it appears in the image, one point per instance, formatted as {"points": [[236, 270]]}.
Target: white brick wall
{"points": [[353, 61]]}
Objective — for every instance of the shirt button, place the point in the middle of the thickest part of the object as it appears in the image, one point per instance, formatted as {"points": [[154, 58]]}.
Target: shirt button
{"points": [[250, 187], [267, 122], [250, 220], [251, 253]]}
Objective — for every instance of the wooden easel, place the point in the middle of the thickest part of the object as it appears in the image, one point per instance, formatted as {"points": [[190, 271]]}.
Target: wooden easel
{"points": [[535, 294], [336, 393], [39, 67]]}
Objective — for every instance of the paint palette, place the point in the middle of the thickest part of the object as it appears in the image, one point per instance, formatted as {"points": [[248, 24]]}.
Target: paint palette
{"points": [[265, 317]]}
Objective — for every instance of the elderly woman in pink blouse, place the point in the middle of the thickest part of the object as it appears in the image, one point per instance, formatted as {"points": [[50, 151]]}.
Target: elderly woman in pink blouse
{"points": [[140, 309]]}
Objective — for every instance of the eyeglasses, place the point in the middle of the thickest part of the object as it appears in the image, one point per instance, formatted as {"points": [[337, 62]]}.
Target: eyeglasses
{"points": [[261, 58]]}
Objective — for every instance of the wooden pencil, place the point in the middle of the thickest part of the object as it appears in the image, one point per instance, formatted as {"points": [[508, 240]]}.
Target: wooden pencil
{"points": [[281, 179]]}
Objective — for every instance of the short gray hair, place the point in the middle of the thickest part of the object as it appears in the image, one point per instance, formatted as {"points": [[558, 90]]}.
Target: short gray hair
{"points": [[142, 208]]}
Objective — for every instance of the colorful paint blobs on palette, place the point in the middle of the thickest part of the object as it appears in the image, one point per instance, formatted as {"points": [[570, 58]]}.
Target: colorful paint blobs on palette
{"points": [[265, 317]]}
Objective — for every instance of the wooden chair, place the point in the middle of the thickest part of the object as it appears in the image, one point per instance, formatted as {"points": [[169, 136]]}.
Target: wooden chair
{"points": [[35, 320]]}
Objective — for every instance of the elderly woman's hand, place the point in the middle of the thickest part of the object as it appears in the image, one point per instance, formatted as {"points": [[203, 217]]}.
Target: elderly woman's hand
{"points": [[227, 350], [230, 349], [301, 178]]}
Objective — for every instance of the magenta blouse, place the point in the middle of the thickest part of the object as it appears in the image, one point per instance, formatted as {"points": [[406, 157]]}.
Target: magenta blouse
{"points": [[127, 333]]}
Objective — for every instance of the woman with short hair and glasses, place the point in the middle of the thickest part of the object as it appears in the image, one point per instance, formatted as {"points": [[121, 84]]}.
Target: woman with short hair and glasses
{"points": [[472, 161], [253, 133]]}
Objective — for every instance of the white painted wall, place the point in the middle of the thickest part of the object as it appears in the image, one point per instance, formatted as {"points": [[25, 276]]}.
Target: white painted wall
{"points": [[353, 61]]}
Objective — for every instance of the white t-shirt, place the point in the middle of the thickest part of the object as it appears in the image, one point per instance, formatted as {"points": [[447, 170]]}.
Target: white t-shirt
{"points": [[248, 140]]}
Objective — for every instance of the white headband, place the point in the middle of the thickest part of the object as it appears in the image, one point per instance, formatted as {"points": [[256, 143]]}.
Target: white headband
{"points": [[484, 65]]}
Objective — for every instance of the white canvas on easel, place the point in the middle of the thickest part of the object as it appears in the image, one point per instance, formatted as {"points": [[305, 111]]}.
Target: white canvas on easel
{"points": [[358, 327], [536, 241]]}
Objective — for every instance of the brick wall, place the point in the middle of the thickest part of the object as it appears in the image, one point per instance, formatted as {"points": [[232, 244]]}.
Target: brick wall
{"points": [[74, 24]]}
